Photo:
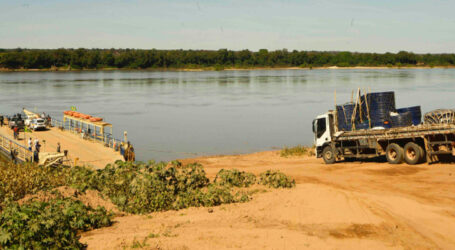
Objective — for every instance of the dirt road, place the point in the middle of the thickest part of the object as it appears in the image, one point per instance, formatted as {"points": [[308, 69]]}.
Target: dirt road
{"points": [[341, 206]]}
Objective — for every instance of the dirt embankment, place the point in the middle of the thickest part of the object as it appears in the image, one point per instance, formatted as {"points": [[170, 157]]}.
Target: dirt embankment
{"points": [[340, 206]]}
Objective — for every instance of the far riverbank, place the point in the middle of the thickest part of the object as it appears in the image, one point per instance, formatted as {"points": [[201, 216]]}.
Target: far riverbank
{"points": [[66, 69]]}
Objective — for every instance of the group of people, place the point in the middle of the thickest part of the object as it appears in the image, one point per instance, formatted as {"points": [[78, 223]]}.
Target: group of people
{"points": [[127, 151], [35, 146]]}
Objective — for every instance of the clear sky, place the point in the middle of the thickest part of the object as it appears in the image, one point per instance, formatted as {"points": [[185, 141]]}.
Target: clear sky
{"points": [[364, 26]]}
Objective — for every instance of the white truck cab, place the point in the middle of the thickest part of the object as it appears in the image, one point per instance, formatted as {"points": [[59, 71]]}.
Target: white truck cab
{"points": [[323, 130]]}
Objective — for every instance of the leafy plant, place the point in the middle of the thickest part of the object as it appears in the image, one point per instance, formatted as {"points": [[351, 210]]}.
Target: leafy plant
{"points": [[298, 150], [234, 177], [82, 178], [49, 225], [16, 181], [144, 188], [275, 179]]}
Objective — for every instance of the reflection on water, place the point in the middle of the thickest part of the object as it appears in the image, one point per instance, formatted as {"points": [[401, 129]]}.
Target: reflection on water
{"points": [[172, 115]]}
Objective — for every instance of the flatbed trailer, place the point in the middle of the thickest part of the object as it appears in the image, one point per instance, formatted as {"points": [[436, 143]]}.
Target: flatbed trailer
{"points": [[412, 144]]}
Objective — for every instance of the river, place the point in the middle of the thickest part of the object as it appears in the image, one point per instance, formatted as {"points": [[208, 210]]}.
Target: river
{"points": [[171, 115]]}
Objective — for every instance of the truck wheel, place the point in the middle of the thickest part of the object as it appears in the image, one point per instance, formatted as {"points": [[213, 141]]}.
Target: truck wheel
{"points": [[328, 155], [394, 153], [412, 153]]}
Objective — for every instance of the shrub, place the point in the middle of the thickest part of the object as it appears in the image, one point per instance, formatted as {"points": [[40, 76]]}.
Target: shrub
{"points": [[48, 225], [298, 150], [144, 188], [275, 179], [191, 176], [16, 181], [217, 195], [132, 187], [234, 177], [82, 178], [190, 198]]}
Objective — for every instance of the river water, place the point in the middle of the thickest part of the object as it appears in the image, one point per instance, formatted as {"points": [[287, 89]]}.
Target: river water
{"points": [[171, 115]]}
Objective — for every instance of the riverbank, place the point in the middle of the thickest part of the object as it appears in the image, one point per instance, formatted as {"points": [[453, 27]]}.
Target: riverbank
{"points": [[66, 69], [347, 205]]}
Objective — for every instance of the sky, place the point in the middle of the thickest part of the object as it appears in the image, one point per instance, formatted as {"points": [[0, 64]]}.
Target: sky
{"points": [[357, 26]]}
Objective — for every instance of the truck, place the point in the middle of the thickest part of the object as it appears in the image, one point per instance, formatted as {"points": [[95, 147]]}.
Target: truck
{"points": [[16, 121], [412, 144]]}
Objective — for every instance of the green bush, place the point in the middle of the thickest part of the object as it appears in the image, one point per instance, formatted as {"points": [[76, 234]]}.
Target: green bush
{"points": [[82, 178], [49, 225], [213, 195], [298, 150], [275, 179], [217, 195], [234, 177], [132, 187], [139, 187], [16, 181], [144, 188]]}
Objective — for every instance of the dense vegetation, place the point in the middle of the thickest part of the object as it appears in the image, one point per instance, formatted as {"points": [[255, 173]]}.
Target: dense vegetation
{"points": [[234, 177], [275, 179], [223, 58], [144, 188], [298, 150], [49, 225], [133, 187]]}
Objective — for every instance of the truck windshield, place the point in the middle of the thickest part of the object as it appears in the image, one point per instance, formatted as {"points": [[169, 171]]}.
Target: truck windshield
{"points": [[321, 127]]}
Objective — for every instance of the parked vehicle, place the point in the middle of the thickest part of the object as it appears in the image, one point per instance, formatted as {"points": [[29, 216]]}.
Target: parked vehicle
{"points": [[37, 124], [408, 140], [16, 121]]}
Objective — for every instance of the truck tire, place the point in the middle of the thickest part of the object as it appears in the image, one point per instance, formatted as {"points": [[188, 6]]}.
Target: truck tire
{"points": [[412, 153], [328, 155], [394, 153]]}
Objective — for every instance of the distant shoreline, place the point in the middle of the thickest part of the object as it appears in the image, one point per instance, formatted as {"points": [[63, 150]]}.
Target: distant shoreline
{"points": [[224, 69]]}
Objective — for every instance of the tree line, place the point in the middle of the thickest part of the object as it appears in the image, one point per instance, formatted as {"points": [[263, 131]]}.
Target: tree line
{"points": [[218, 59]]}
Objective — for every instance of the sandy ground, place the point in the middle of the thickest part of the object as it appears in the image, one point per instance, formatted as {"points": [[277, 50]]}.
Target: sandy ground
{"points": [[341, 206], [89, 153]]}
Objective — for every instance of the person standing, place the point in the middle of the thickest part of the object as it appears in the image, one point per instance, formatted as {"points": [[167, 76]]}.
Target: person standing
{"points": [[49, 121], [15, 132], [1, 120], [37, 147], [122, 151], [132, 155], [35, 156], [35, 142], [13, 153], [30, 143], [58, 147]]}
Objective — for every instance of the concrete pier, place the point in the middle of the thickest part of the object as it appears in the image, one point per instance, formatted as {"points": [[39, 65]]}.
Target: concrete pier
{"points": [[80, 151]]}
